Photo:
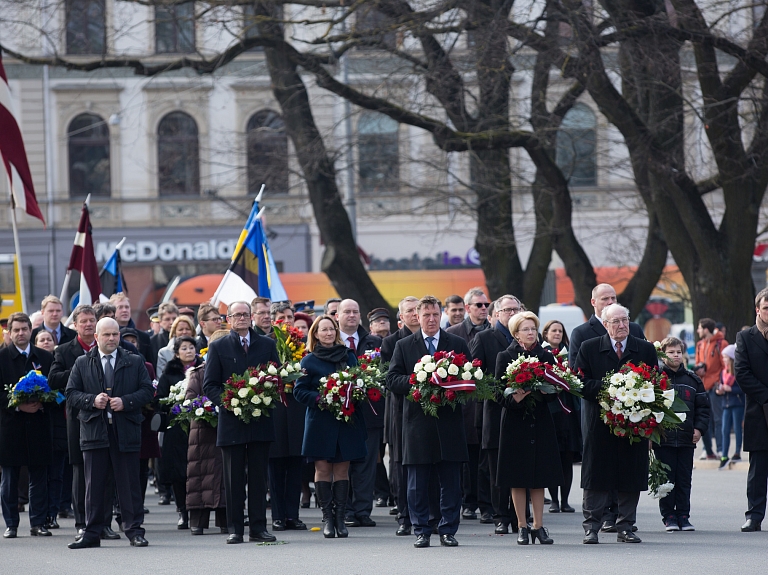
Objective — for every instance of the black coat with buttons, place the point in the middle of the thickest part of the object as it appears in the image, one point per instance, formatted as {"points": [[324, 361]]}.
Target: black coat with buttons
{"points": [[529, 455]]}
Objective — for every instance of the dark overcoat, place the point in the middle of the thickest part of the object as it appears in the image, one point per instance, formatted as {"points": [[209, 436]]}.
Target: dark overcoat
{"points": [[529, 455], [325, 437], [132, 384], [289, 428], [610, 462], [590, 330], [470, 408], [25, 438], [225, 358], [64, 357], [373, 412], [427, 439], [393, 425], [752, 375], [486, 346]]}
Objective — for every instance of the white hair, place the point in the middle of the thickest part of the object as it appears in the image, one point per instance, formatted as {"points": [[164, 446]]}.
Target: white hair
{"points": [[613, 307]]}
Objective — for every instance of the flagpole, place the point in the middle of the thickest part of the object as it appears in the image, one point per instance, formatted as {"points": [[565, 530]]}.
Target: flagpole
{"points": [[65, 287], [20, 268]]}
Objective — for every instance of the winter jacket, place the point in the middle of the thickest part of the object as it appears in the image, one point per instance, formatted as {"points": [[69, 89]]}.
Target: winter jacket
{"points": [[690, 389]]}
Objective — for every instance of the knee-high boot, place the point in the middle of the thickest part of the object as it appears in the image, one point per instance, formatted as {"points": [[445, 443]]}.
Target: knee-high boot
{"points": [[324, 496], [340, 494]]}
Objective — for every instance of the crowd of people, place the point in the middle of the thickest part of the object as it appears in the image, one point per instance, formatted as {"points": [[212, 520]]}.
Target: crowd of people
{"points": [[91, 455]]}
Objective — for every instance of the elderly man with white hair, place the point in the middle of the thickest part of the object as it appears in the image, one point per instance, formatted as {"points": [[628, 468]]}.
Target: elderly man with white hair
{"points": [[110, 386], [611, 463]]}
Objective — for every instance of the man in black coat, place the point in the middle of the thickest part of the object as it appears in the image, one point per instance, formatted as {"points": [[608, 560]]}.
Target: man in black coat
{"points": [[25, 431], [109, 387], [611, 463], [167, 312], [362, 474], [243, 446], [393, 416], [65, 356], [752, 375], [485, 347], [430, 444], [52, 308]]}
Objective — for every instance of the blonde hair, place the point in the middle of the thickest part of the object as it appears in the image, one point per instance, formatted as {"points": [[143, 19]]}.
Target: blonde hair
{"points": [[516, 320], [312, 334], [49, 299], [182, 318]]}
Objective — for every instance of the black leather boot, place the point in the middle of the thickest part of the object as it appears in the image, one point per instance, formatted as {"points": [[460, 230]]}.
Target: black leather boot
{"points": [[183, 520], [340, 494], [324, 496]]}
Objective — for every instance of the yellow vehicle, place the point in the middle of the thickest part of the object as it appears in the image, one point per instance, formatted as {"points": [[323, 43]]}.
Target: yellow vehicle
{"points": [[10, 286]]}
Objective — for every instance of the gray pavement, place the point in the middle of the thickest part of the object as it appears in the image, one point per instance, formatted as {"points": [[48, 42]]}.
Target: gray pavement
{"points": [[717, 545]]}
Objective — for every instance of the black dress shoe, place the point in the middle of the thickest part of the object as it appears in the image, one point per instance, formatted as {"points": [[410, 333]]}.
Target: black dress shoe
{"points": [[40, 530], [84, 544], [590, 538], [234, 538], [486, 518], [565, 508], [608, 527], [381, 502], [139, 541], [448, 540], [262, 537], [278, 525], [750, 526], [10, 533], [554, 507], [223, 530], [403, 530], [393, 511], [421, 541], [164, 500], [108, 533], [352, 522], [295, 525], [51, 523], [468, 514], [501, 529], [366, 521], [197, 531], [627, 537], [66, 514]]}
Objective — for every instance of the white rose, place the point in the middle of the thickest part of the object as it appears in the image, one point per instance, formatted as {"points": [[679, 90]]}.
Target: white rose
{"points": [[442, 373], [253, 381], [255, 400], [272, 370], [426, 359], [256, 412], [235, 402], [267, 384], [208, 403], [243, 392], [335, 389], [478, 373], [421, 377], [199, 411], [267, 400], [418, 367], [468, 366], [430, 367], [238, 411], [453, 369], [466, 375], [605, 406]]}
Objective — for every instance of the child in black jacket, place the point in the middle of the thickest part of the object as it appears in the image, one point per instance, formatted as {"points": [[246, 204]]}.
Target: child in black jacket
{"points": [[677, 446]]}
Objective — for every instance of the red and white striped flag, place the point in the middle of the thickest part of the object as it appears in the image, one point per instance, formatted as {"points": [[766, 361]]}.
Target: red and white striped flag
{"points": [[83, 260], [14, 155]]}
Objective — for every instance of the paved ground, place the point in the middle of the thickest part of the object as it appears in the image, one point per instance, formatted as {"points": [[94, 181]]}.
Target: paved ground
{"points": [[717, 546]]}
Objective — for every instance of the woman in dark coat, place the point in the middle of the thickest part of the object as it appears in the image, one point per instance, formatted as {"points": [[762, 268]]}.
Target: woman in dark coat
{"points": [[173, 462], [205, 469], [568, 425], [330, 443], [528, 451]]}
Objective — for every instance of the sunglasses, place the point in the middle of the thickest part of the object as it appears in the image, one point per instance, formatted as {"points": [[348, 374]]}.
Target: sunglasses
{"points": [[481, 304]]}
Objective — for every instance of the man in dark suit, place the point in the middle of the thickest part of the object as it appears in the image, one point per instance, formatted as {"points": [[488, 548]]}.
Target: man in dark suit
{"points": [[476, 488], [243, 446], [209, 321], [167, 312], [109, 387], [393, 417], [430, 444], [25, 431], [752, 375], [362, 474], [65, 356], [485, 347], [123, 316], [52, 308], [611, 463]]}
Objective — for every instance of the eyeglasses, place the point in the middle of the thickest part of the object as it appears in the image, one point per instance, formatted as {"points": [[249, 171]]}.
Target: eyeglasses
{"points": [[622, 321], [509, 310], [481, 304], [332, 312], [239, 315]]}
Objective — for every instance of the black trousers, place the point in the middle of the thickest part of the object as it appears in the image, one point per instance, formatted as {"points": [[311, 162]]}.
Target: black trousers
{"points": [[78, 496], [399, 470], [420, 478], [38, 495], [246, 463], [202, 517], [566, 463], [595, 503], [680, 460], [484, 501], [757, 485], [362, 477], [500, 496], [285, 486], [469, 477], [125, 468]]}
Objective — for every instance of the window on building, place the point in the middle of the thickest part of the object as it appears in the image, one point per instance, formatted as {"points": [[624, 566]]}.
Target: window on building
{"points": [[88, 142], [175, 28], [178, 155], [86, 27], [378, 153], [376, 27], [250, 20], [577, 146], [267, 153]]}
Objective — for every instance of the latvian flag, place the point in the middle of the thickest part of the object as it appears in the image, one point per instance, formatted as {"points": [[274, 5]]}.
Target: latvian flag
{"points": [[84, 260]]}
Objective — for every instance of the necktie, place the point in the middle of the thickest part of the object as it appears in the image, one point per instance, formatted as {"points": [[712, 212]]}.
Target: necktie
{"points": [[351, 345], [245, 345], [109, 375], [431, 345], [618, 349], [55, 338]]}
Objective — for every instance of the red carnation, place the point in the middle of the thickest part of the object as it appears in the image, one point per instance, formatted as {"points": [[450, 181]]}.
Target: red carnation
{"points": [[347, 410], [521, 378], [374, 394], [460, 359]]}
